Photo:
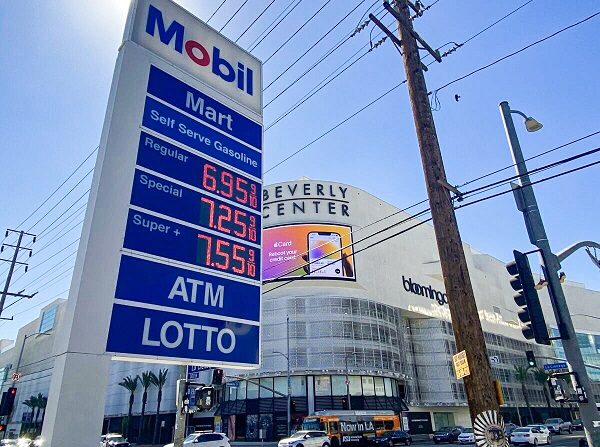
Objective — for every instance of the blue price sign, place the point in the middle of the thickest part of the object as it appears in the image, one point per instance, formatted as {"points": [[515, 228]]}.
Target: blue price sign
{"points": [[188, 287], [198, 136]]}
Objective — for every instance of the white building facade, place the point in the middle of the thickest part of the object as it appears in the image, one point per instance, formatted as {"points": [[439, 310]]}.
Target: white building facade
{"points": [[367, 323]]}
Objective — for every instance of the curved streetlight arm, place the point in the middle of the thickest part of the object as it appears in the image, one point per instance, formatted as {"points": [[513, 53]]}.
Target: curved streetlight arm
{"points": [[518, 112], [565, 253], [278, 352]]}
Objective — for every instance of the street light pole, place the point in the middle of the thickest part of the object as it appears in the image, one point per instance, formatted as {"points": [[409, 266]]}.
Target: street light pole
{"points": [[289, 379], [527, 204]]}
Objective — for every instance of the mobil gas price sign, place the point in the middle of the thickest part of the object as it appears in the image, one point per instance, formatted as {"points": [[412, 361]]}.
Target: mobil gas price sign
{"points": [[179, 195]]}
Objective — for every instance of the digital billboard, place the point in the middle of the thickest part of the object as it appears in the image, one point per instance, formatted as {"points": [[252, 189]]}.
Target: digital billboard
{"points": [[309, 251]]}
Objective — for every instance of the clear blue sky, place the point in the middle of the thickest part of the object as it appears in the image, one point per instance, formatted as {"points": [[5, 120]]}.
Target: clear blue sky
{"points": [[57, 60]]}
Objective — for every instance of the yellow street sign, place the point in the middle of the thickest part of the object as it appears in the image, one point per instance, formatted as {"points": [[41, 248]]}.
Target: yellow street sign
{"points": [[461, 365]]}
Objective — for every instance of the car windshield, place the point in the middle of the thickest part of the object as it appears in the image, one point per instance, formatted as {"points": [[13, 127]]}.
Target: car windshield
{"points": [[298, 434], [552, 421], [191, 437], [522, 430], [445, 429], [116, 438], [468, 430]]}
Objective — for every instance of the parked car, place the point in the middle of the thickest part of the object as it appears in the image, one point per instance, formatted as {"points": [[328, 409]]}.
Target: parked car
{"points": [[390, 438], [508, 429], [447, 434], [557, 425], [467, 436], [577, 425], [205, 439], [113, 440], [8, 442], [38, 441], [529, 435], [541, 427], [306, 438]]}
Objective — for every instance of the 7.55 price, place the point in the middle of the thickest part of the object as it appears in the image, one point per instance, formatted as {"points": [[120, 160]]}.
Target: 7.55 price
{"points": [[227, 256]]}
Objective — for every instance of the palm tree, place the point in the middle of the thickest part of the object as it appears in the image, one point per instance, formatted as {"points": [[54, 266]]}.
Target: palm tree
{"points": [[146, 382], [158, 381], [541, 376], [41, 402], [522, 375], [31, 404], [130, 384]]}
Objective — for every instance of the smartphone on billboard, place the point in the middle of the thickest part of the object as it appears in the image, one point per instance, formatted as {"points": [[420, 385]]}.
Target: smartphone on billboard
{"points": [[324, 254]]}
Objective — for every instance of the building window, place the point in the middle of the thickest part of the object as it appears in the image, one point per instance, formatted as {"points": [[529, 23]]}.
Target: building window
{"points": [[338, 385], [355, 386], [388, 386], [252, 390], [379, 387], [280, 386], [268, 383], [47, 320], [322, 386], [368, 387], [298, 386], [241, 394]]}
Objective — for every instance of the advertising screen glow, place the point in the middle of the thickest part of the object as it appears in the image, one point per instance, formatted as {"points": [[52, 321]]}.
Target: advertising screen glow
{"points": [[311, 251]]}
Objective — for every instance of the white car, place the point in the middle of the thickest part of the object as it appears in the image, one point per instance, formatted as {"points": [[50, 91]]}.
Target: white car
{"points": [[204, 439], [306, 438], [467, 436], [529, 435], [541, 428]]}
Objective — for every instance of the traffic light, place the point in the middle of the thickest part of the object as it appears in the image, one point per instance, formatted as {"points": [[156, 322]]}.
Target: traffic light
{"points": [[556, 390], [530, 359], [8, 401], [531, 314], [205, 397], [2, 428], [217, 377]]}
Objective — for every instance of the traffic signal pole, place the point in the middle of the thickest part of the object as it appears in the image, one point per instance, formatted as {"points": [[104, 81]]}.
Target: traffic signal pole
{"points": [[461, 299], [527, 204]]}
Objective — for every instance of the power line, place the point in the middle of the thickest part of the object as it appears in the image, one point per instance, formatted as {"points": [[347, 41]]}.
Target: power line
{"points": [[297, 31], [315, 44], [254, 21], [216, 10], [234, 14], [514, 53], [254, 45]]}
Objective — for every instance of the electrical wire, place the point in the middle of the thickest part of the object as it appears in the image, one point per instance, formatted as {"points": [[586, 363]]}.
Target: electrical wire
{"points": [[298, 59], [296, 32], [254, 45], [514, 53], [255, 20], [216, 10], [234, 14]]}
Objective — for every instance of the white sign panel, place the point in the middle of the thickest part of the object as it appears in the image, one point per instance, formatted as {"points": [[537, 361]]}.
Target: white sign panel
{"points": [[177, 36]]}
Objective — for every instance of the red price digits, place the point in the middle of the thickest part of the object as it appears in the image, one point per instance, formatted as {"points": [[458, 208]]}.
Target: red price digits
{"points": [[229, 185], [228, 256], [229, 220]]}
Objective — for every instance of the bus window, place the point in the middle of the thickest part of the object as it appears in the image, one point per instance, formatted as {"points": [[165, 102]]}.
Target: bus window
{"points": [[388, 425], [378, 425], [334, 428]]}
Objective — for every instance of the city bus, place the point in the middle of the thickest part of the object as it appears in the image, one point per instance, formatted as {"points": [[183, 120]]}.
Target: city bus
{"points": [[347, 427]]}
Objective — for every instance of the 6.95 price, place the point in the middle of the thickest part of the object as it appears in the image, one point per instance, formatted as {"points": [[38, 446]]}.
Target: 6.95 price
{"points": [[230, 185]]}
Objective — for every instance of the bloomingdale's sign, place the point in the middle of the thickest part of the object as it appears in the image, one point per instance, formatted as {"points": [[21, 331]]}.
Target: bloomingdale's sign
{"points": [[306, 198], [427, 291]]}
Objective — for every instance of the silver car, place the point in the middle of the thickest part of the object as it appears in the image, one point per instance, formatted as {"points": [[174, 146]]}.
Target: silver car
{"points": [[306, 438]]}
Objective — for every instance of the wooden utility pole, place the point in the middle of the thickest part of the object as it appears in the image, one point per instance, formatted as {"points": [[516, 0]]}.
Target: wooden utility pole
{"points": [[461, 299]]}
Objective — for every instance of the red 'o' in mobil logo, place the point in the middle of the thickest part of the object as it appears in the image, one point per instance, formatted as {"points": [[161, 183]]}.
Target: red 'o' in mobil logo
{"points": [[241, 75]]}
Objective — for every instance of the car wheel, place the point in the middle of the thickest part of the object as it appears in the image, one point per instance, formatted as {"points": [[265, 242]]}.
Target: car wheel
{"points": [[549, 439], [325, 444], [407, 442], [436, 442], [535, 441], [570, 430]]}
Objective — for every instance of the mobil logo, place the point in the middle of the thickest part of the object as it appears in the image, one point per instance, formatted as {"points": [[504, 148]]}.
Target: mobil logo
{"points": [[173, 35]]}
